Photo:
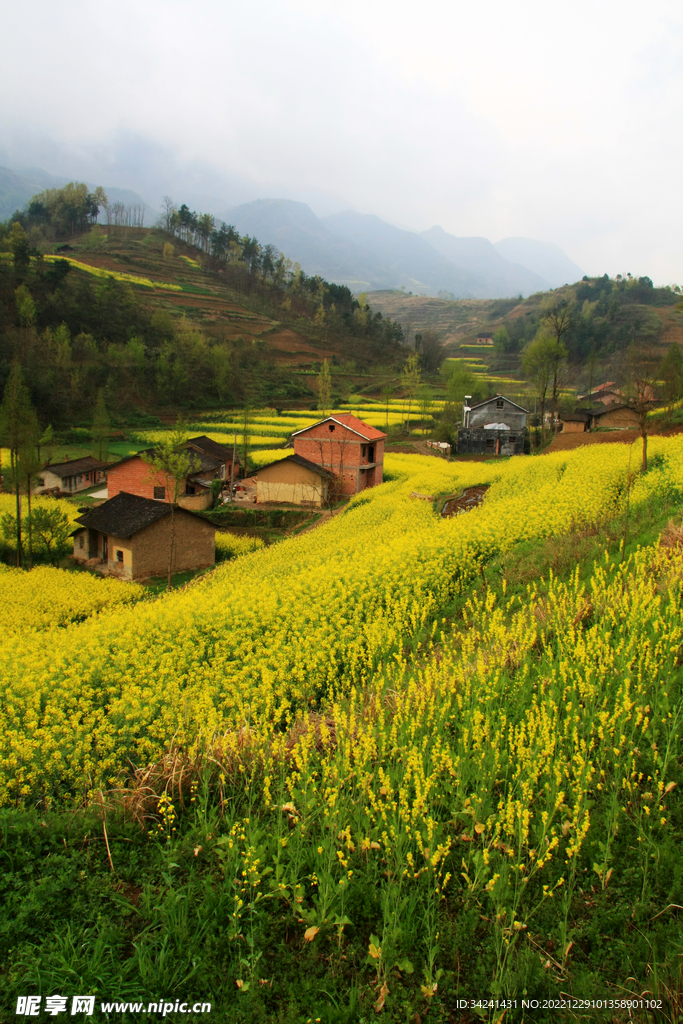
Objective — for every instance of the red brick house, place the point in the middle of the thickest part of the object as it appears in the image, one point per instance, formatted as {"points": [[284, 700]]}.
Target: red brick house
{"points": [[135, 476], [347, 447]]}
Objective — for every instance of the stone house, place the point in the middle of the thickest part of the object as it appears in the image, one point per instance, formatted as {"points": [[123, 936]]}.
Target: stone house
{"points": [[135, 476], [70, 476], [496, 426], [294, 480], [130, 537], [349, 449]]}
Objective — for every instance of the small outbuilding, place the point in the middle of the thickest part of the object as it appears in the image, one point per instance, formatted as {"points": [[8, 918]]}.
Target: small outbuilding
{"points": [[131, 537], [295, 480], [71, 476]]}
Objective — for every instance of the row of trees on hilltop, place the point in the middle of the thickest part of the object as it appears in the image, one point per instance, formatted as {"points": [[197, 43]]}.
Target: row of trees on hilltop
{"points": [[253, 268]]}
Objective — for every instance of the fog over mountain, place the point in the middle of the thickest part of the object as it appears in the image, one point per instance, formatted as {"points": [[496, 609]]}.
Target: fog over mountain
{"points": [[367, 253], [359, 250]]}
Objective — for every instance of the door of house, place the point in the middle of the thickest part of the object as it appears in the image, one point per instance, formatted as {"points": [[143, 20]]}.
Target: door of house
{"points": [[105, 549], [92, 543]]}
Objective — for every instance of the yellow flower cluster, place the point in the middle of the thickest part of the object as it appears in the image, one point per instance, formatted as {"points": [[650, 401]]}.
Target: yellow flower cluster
{"points": [[230, 545], [47, 597], [143, 282], [302, 624]]}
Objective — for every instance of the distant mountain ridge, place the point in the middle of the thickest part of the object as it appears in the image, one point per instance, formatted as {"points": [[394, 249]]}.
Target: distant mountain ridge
{"points": [[368, 254], [360, 250]]}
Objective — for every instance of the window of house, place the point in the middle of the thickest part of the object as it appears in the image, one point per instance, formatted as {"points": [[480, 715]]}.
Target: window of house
{"points": [[189, 489], [489, 442], [500, 403], [330, 427], [119, 556], [363, 451], [512, 439], [41, 481], [160, 493], [81, 541]]}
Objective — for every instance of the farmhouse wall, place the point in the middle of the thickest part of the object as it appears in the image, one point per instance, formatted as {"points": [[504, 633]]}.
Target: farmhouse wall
{"points": [[498, 410], [136, 477], [621, 418], [195, 546], [490, 442], [574, 426], [195, 502], [286, 481], [343, 453]]}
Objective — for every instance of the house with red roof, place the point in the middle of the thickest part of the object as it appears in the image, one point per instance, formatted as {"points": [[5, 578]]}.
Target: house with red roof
{"points": [[351, 450]]}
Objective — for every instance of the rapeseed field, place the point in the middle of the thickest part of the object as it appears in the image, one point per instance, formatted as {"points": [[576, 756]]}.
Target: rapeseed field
{"points": [[364, 751]]}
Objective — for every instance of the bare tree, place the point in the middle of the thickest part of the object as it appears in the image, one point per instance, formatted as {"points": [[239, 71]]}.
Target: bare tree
{"points": [[639, 380]]}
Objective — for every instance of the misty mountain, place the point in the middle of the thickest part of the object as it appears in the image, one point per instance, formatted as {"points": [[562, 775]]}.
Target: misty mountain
{"points": [[481, 257], [405, 258], [541, 258], [17, 187], [368, 254]]}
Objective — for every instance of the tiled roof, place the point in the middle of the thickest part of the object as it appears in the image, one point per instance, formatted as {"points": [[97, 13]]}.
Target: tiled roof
{"points": [[84, 465], [347, 419], [126, 514], [492, 398], [300, 461], [218, 451]]}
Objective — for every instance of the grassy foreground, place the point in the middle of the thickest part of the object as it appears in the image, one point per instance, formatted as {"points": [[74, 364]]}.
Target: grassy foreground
{"points": [[491, 813]]}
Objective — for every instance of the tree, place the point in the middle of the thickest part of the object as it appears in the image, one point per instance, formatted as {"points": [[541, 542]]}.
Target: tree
{"points": [[99, 432], [411, 380], [502, 342], [51, 526], [387, 392], [172, 462], [538, 361], [324, 388], [671, 373], [19, 433], [639, 380], [431, 351], [559, 322], [425, 399]]}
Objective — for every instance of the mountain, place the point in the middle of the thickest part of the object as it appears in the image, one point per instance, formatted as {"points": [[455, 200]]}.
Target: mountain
{"points": [[542, 258], [17, 187], [479, 256], [405, 257], [294, 229]]}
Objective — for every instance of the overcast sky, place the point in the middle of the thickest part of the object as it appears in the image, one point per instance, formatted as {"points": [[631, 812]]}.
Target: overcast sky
{"points": [[556, 121]]}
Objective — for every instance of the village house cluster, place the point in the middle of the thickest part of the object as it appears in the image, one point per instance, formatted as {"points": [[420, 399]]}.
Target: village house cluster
{"points": [[131, 532]]}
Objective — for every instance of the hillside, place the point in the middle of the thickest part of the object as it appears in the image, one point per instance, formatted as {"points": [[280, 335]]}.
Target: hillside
{"points": [[160, 324]]}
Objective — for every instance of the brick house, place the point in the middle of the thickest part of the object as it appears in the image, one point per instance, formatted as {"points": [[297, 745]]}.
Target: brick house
{"points": [[294, 480], [135, 476], [131, 537], [70, 476], [494, 427], [351, 450]]}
